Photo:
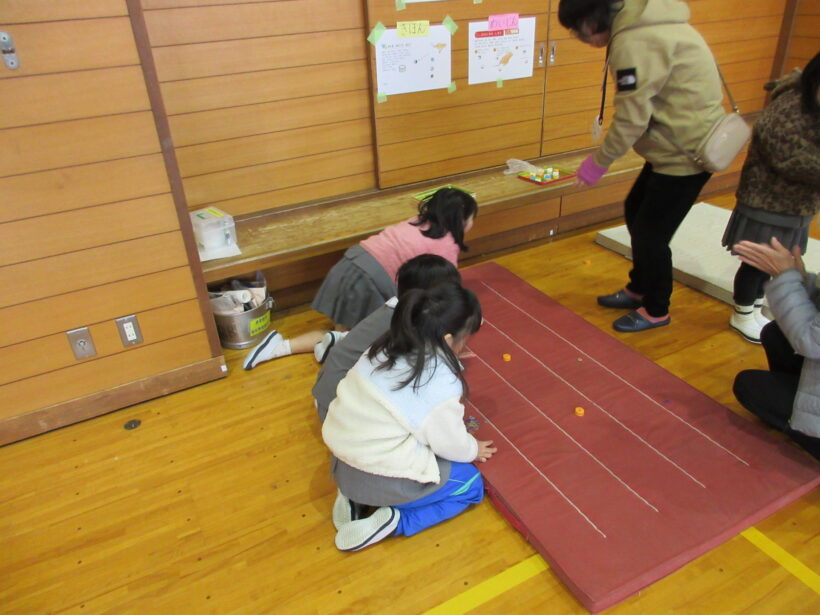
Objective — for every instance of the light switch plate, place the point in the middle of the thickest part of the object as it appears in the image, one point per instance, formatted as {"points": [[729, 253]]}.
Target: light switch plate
{"points": [[81, 343], [129, 329]]}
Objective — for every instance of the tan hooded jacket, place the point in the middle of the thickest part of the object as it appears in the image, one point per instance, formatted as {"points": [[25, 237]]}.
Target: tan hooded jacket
{"points": [[666, 74]]}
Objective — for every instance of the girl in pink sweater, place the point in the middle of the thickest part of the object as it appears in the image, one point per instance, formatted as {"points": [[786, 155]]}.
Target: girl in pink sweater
{"points": [[366, 276]]}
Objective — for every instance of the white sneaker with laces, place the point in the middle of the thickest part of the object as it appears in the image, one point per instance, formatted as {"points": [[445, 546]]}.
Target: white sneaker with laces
{"points": [[362, 533]]}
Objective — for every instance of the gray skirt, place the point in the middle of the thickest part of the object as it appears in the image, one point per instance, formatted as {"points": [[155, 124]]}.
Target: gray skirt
{"points": [[759, 226], [375, 490], [354, 288]]}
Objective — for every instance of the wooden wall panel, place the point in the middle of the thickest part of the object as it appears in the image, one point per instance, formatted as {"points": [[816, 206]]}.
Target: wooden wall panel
{"points": [[35, 279], [48, 146], [805, 36], [288, 84], [89, 230], [27, 11], [272, 147], [263, 118], [70, 96], [239, 21], [88, 377], [263, 95], [45, 354], [91, 306], [469, 134], [214, 188], [307, 189], [44, 236], [54, 47], [459, 164], [257, 54], [70, 188]]}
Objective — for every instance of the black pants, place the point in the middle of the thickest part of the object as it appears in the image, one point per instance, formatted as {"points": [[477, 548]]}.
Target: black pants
{"points": [[769, 394], [654, 209], [749, 283]]}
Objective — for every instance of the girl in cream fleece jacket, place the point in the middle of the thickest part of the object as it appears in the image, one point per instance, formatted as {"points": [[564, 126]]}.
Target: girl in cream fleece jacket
{"points": [[398, 418]]}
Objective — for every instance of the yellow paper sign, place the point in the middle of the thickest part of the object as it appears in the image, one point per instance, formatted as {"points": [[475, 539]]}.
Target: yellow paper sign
{"points": [[412, 29]]}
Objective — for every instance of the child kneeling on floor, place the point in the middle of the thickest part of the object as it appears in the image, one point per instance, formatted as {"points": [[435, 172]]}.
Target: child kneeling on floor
{"points": [[365, 278], [396, 428]]}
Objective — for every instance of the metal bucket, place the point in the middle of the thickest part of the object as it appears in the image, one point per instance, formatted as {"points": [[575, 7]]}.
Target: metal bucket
{"points": [[238, 331]]}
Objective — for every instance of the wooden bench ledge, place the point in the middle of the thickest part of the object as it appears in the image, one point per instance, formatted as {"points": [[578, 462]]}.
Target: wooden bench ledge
{"points": [[296, 246]]}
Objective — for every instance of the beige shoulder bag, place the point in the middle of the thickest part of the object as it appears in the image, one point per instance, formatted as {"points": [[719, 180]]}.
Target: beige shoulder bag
{"points": [[722, 143]]}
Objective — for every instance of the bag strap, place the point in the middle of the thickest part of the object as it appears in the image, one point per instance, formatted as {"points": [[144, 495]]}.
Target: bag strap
{"points": [[668, 136]]}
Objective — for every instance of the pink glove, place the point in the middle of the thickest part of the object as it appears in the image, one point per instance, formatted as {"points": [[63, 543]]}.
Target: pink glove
{"points": [[589, 173]]}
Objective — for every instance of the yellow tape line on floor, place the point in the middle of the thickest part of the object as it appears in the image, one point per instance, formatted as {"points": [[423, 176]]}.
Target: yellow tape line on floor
{"points": [[783, 557], [489, 589], [535, 564]]}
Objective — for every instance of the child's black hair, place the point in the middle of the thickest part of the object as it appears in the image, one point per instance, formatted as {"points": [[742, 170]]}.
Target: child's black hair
{"points": [[446, 211], [424, 271], [596, 14], [809, 82], [420, 321]]}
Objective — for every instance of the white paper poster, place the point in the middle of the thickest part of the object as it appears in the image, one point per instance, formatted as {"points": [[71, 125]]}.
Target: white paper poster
{"points": [[500, 54], [413, 64]]}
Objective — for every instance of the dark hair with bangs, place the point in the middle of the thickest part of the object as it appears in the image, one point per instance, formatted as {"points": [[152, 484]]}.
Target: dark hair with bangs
{"points": [[597, 14], [420, 321], [809, 82], [446, 211], [424, 271]]}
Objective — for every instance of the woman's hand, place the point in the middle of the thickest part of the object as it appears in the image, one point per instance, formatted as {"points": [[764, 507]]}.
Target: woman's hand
{"points": [[485, 450], [589, 173], [773, 259]]}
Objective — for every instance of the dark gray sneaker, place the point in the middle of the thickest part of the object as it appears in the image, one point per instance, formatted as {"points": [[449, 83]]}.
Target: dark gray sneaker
{"points": [[620, 301]]}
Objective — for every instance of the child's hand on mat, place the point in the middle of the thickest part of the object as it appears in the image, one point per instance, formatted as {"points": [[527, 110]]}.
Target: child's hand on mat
{"points": [[485, 450]]}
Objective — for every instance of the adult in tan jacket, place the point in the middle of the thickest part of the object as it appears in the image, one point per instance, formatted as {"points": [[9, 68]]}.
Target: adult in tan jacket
{"points": [[667, 86]]}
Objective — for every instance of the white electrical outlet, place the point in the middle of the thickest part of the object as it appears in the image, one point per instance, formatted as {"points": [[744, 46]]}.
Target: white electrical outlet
{"points": [[130, 333], [129, 329]]}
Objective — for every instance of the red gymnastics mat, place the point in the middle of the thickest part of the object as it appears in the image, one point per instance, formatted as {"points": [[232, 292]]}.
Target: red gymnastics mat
{"points": [[653, 473]]}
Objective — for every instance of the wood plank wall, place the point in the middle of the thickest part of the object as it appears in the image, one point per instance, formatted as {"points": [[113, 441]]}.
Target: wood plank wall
{"points": [[743, 36], [268, 101], [89, 231], [436, 133], [805, 39]]}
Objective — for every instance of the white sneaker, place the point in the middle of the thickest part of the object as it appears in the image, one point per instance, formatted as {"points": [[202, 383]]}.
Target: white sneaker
{"points": [[743, 321], [357, 535], [322, 348], [760, 315], [263, 351], [342, 514]]}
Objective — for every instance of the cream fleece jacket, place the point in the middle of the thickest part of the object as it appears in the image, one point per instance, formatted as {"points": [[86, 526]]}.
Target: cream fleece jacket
{"points": [[666, 74]]}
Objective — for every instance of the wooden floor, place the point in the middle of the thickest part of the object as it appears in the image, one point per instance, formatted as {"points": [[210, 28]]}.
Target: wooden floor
{"points": [[219, 502]]}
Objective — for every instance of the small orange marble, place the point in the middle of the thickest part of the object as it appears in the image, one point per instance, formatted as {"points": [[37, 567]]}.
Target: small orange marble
{"points": [[579, 411], [506, 357]]}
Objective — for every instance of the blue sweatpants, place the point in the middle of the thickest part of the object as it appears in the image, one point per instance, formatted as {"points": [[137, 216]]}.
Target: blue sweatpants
{"points": [[464, 487]]}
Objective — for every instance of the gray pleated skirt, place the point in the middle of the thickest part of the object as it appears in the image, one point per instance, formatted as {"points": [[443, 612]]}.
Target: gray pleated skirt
{"points": [[759, 226], [375, 490], [354, 288]]}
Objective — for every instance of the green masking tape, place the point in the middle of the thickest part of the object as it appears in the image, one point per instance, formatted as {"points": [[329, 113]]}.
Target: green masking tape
{"points": [[376, 33]]}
